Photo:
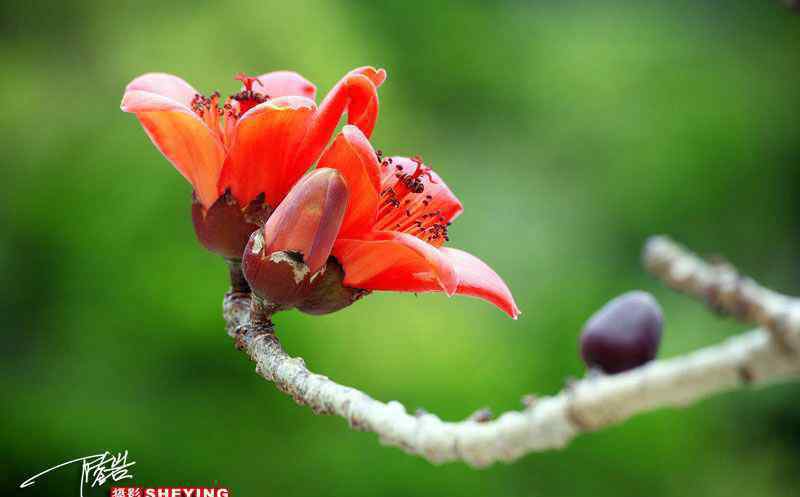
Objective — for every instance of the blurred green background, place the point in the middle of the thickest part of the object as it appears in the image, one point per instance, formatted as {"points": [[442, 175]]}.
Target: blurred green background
{"points": [[570, 130]]}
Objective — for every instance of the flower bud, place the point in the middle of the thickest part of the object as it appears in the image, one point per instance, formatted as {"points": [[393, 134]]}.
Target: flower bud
{"points": [[624, 334], [328, 294], [283, 259], [225, 227]]}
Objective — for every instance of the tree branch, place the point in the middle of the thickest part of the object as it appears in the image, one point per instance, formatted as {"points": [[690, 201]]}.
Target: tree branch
{"points": [[724, 290], [756, 357]]}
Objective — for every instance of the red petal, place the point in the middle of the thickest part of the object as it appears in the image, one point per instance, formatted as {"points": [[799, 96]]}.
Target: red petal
{"points": [[264, 148], [308, 219], [356, 94], [166, 85], [394, 261], [184, 139], [477, 279], [353, 156], [285, 84]]}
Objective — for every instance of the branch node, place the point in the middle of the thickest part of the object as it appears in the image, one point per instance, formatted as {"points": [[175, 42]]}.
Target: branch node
{"points": [[482, 415], [746, 375], [572, 411]]}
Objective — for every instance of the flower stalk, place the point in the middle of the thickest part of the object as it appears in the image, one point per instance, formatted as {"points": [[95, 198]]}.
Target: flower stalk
{"points": [[238, 282]]}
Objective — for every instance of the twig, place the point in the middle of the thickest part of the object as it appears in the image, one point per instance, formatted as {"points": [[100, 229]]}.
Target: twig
{"points": [[723, 289], [545, 422]]}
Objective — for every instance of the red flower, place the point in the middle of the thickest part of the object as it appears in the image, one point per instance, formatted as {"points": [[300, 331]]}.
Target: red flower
{"points": [[261, 140], [396, 223]]}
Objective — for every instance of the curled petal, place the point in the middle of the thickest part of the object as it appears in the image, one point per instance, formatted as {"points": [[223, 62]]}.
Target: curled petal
{"points": [[477, 279], [362, 108], [166, 85], [356, 94], [184, 139], [262, 157], [377, 76], [393, 261], [353, 156], [285, 84]]}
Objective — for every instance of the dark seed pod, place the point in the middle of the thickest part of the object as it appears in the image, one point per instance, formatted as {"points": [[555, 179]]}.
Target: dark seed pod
{"points": [[624, 334]]}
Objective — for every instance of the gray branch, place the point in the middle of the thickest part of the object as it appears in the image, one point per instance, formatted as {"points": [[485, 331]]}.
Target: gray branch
{"points": [[757, 357]]}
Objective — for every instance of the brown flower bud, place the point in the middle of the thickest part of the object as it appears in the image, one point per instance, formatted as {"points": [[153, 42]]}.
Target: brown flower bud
{"points": [[225, 227], [283, 259]]}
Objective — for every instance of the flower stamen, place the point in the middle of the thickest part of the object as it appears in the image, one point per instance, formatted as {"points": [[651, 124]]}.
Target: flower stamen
{"points": [[222, 120], [248, 98], [405, 206]]}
